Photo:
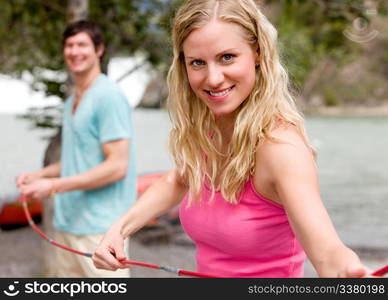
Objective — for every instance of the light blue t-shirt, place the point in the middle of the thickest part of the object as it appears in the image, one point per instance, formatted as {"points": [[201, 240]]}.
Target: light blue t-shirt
{"points": [[102, 115]]}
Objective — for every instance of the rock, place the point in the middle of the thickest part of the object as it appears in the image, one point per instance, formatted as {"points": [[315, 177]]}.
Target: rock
{"points": [[156, 92]]}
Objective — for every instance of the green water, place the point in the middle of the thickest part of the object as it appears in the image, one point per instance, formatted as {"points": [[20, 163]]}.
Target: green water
{"points": [[353, 169]]}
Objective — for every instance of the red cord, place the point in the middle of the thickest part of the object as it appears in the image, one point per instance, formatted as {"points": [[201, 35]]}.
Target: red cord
{"points": [[132, 262], [381, 272]]}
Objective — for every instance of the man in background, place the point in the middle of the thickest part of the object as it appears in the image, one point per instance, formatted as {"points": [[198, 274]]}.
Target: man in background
{"points": [[94, 182]]}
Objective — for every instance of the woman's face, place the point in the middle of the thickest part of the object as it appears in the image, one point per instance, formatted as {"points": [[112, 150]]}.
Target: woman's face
{"points": [[220, 65]]}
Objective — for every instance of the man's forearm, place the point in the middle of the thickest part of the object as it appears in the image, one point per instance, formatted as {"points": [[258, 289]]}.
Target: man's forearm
{"points": [[106, 173], [53, 170]]}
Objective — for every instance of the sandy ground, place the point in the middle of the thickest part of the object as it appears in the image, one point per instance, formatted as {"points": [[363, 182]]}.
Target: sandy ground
{"points": [[21, 254]]}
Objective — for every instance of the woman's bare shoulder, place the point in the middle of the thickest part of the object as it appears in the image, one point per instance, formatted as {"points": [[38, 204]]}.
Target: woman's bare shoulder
{"points": [[284, 134], [285, 146]]}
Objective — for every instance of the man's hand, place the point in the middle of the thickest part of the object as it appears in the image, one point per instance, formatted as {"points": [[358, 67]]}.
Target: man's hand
{"points": [[38, 189], [26, 178]]}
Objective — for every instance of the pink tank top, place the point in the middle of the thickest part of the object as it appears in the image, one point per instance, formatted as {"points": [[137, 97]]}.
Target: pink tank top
{"points": [[250, 239]]}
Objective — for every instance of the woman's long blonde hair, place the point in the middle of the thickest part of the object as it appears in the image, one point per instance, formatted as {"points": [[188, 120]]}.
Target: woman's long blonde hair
{"points": [[194, 135]]}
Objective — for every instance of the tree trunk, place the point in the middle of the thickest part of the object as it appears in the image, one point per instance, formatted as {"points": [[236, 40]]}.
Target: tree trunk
{"points": [[76, 10], [52, 155], [326, 66], [156, 92]]}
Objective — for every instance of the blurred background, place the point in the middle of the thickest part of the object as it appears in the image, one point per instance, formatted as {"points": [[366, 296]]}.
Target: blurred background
{"points": [[336, 52]]}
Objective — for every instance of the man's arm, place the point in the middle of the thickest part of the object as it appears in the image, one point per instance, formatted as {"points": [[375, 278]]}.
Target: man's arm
{"points": [[112, 169], [53, 170]]}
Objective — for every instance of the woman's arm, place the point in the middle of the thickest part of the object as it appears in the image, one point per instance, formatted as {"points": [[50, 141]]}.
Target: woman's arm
{"points": [[163, 195], [292, 173]]}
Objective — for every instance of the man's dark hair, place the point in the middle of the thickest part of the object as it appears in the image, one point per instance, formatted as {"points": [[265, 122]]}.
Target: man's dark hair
{"points": [[89, 27]]}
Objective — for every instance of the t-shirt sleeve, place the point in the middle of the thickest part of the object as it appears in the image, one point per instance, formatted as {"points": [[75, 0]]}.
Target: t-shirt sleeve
{"points": [[114, 117]]}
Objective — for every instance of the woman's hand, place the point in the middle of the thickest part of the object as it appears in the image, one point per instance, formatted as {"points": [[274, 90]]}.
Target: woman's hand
{"points": [[109, 254], [343, 262], [355, 271]]}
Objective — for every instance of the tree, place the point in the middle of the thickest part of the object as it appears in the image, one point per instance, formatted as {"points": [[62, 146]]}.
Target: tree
{"points": [[311, 35], [31, 33]]}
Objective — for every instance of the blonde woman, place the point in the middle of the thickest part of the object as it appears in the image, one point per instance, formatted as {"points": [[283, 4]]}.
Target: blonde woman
{"points": [[245, 174]]}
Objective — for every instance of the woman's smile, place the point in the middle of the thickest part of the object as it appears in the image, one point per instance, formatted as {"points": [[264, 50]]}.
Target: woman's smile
{"points": [[219, 95]]}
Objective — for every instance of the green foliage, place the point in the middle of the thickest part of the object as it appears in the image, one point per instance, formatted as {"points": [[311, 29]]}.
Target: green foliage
{"points": [[310, 31], [31, 40], [382, 67], [31, 35], [330, 97]]}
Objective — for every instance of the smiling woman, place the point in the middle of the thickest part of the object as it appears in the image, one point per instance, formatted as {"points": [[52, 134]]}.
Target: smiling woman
{"points": [[246, 178]]}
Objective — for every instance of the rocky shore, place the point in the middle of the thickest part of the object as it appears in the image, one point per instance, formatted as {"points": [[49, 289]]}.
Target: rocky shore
{"points": [[343, 111]]}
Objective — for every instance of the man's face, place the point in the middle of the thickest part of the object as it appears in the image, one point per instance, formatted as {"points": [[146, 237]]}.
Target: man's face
{"points": [[80, 54]]}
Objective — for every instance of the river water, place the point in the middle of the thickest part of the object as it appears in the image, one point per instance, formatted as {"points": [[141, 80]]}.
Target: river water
{"points": [[352, 164]]}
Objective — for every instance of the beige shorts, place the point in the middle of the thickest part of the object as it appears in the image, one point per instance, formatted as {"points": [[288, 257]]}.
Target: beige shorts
{"points": [[62, 263]]}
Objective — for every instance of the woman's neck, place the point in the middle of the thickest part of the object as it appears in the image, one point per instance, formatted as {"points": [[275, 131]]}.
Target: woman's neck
{"points": [[226, 126]]}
